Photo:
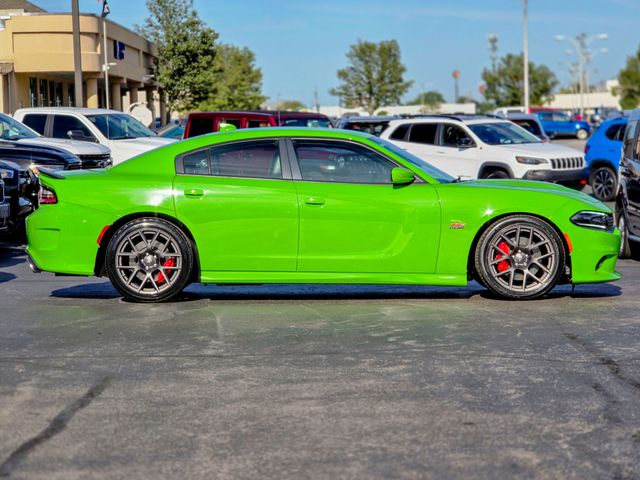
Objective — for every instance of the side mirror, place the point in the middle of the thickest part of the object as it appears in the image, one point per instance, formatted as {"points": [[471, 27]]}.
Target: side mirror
{"points": [[401, 176], [79, 135], [466, 142]]}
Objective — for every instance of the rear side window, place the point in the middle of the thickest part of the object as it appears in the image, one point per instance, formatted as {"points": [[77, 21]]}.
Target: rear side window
{"points": [[248, 159], [196, 163], [613, 131], [257, 124], [629, 137], [36, 122], [200, 126], [423, 133], [400, 133], [62, 124]]}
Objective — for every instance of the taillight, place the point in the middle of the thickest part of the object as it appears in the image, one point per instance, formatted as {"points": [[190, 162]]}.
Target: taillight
{"points": [[46, 196], [586, 149]]}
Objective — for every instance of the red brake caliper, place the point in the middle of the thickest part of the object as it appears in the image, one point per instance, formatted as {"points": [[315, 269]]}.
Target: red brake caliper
{"points": [[170, 262], [505, 264]]}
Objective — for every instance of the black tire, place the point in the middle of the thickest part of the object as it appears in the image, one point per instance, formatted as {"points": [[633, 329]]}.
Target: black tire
{"points": [[582, 134], [497, 173], [625, 246], [149, 260], [520, 257], [604, 183]]}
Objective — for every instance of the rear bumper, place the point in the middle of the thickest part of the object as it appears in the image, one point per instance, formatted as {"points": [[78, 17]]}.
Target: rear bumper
{"points": [[557, 175]]}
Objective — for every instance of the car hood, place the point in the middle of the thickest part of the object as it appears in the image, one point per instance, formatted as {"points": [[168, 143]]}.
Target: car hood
{"points": [[74, 146], [541, 187], [542, 150], [144, 143]]}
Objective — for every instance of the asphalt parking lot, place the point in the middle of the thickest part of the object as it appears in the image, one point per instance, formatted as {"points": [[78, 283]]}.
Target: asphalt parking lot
{"points": [[317, 382]]}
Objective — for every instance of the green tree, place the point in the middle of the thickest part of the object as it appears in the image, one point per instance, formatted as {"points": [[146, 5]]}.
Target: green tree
{"points": [[629, 78], [186, 52], [374, 77], [504, 85], [431, 98], [237, 82]]}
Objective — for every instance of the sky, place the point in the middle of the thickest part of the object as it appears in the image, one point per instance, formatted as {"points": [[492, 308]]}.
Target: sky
{"points": [[301, 44]]}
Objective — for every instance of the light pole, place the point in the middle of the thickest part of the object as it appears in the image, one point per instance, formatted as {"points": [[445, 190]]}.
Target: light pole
{"points": [[77, 54], [525, 52], [493, 48], [581, 44]]}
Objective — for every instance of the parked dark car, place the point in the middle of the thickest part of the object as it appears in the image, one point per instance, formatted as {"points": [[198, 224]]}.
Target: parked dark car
{"points": [[373, 125], [199, 123], [5, 209], [628, 199], [33, 157], [21, 188]]}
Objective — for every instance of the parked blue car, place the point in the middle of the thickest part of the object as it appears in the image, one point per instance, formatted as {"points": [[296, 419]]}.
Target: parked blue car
{"points": [[559, 124], [602, 154]]}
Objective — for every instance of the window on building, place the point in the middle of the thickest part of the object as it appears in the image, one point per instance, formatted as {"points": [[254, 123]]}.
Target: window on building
{"points": [[33, 92]]}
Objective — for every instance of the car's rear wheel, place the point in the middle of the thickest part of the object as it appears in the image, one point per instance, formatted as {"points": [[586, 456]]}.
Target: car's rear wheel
{"points": [[582, 134], [149, 260], [520, 257], [604, 183]]}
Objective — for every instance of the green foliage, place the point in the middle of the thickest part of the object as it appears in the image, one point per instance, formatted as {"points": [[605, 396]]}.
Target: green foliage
{"points": [[186, 52], [374, 77], [237, 82], [291, 105], [505, 84], [629, 78], [431, 98]]}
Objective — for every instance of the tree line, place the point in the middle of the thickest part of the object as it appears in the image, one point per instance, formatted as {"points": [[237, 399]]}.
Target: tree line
{"points": [[198, 72]]}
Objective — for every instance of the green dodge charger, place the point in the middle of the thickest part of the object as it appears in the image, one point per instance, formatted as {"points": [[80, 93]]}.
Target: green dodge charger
{"points": [[287, 205]]}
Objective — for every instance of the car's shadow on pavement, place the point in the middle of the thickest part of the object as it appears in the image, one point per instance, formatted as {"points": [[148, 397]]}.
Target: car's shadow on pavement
{"points": [[11, 255]]}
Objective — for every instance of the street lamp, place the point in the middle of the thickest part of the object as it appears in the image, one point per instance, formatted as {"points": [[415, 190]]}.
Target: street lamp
{"points": [[585, 54]]}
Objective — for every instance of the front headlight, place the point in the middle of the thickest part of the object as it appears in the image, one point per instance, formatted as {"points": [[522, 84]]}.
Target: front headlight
{"points": [[597, 220], [6, 174], [531, 160]]}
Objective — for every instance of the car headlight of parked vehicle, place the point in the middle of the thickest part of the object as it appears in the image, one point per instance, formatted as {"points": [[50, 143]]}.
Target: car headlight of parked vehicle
{"points": [[531, 160], [598, 220]]}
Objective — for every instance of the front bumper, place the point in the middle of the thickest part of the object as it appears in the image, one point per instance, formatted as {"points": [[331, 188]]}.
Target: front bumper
{"points": [[5, 213], [557, 175]]}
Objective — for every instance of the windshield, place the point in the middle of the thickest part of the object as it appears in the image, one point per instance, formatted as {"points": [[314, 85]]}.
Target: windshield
{"points": [[530, 126], [305, 122], [118, 126], [11, 129], [373, 128], [429, 169], [503, 133]]}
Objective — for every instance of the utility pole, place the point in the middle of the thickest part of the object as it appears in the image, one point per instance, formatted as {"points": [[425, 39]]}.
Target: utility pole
{"points": [[316, 100], [105, 65], [525, 52], [77, 53], [456, 76], [493, 48]]}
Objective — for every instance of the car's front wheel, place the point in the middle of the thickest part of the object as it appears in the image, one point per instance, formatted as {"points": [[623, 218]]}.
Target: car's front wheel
{"points": [[149, 260], [604, 183], [520, 257], [625, 246]]}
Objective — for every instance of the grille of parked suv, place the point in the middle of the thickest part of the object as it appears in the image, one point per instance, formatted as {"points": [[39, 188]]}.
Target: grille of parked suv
{"points": [[1, 192], [569, 163], [95, 161]]}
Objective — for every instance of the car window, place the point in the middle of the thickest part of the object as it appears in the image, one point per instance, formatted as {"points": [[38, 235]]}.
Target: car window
{"points": [[530, 126], [305, 122], [629, 136], [257, 123], [252, 160], [560, 117], [372, 128], [502, 133], [544, 116], [423, 133], [11, 129], [62, 124], [119, 126], [196, 163], [341, 162], [450, 135], [236, 122], [613, 131], [200, 126], [35, 121], [400, 133], [636, 149], [621, 131]]}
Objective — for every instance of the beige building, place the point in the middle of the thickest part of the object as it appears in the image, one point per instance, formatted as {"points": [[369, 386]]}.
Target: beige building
{"points": [[37, 67]]}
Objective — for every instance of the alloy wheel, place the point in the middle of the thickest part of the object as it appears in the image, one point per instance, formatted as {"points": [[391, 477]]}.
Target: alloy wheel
{"points": [[603, 184]]}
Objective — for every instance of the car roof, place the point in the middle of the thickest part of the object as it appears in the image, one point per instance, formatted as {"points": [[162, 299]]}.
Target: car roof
{"points": [[522, 116], [259, 113], [371, 118], [468, 120], [78, 110]]}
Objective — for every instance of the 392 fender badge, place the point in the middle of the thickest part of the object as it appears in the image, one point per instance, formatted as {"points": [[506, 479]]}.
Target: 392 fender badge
{"points": [[457, 226]]}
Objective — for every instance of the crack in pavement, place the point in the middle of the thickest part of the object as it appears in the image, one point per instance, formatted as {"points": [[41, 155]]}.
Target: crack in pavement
{"points": [[57, 425]]}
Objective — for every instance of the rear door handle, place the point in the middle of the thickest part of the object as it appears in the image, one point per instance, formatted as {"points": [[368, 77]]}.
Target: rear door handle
{"points": [[314, 201], [194, 192]]}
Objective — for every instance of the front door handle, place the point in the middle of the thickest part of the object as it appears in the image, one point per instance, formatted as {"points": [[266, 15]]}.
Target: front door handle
{"points": [[314, 201], [193, 192], [440, 151]]}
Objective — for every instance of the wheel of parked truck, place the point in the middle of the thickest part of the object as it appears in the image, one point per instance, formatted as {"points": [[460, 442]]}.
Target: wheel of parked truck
{"points": [[498, 173], [604, 183], [520, 257], [149, 260], [625, 246], [582, 134]]}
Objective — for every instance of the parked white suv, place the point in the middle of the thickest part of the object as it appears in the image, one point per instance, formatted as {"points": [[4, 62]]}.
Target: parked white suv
{"points": [[123, 134], [484, 147], [91, 154]]}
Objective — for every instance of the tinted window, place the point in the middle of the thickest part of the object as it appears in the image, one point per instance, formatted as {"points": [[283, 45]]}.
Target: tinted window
{"points": [[400, 133], [63, 123], [305, 122], [35, 122], [200, 126], [529, 125], [254, 160], [236, 122], [450, 135], [503, 133], [613, 131], [423, 133], [545, 116], [196, 163], [257, 123], [629, 135], [561, 117], [119, 126], [341, 163], [373, 128], [621, 131]]}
